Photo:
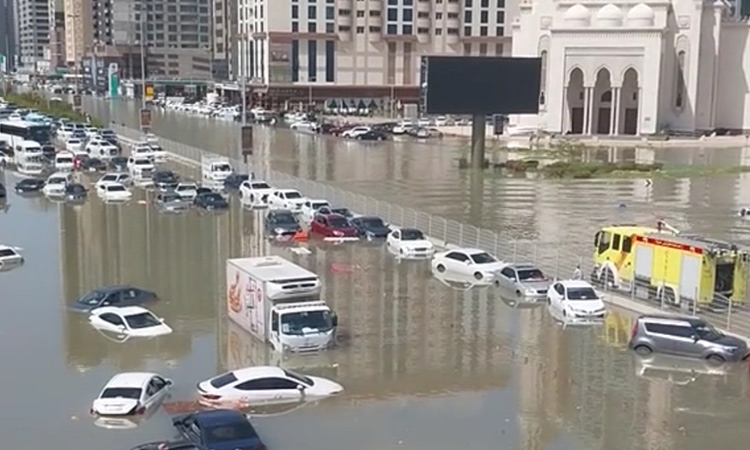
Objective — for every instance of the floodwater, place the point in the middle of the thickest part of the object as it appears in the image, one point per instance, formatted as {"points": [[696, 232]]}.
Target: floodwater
{"points": [[424, 364], [425, 176]]}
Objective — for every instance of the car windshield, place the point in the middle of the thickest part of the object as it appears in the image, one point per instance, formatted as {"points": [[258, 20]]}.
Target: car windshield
{"points": [[76, 189], [223, 168], [318, 205], [293, 194], [186, 187], [338, 222], [582, 293], [412, 235], [283, 219], [261, 186], [64, 159], [74, 141], [223, 380], [530, 275], [213, 197], [92, 298], [134, 393], [171, 198], [299, 377], [239, 431], [30, 182], [142, 320], [373, 223], [142, 162], [115, 188], [57, 180], [483, 258], [297, 322], [707, 332], [342, 211]]}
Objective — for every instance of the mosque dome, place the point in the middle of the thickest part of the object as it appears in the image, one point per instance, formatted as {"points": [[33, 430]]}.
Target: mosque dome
{"points": [[577, 15], [609, 16], [640, 15]]}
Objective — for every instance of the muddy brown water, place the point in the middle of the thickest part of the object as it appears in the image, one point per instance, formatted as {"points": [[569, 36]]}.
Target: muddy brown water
{"points": [[424, 365]]}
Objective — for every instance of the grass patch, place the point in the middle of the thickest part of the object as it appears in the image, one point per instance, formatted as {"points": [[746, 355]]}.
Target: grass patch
{"points": [[56, 109]]}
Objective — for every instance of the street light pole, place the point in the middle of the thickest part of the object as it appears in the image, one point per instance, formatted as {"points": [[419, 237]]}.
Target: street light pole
{"points": [[243, 79], [143, 56]]}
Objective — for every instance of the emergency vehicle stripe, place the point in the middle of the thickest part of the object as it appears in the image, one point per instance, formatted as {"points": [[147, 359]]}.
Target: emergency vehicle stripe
{"points": [[674, 245]]}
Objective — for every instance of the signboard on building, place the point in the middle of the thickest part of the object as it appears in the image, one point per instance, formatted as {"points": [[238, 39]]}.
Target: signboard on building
{"points": [[145, 119], [280, 62], [113, 79]]}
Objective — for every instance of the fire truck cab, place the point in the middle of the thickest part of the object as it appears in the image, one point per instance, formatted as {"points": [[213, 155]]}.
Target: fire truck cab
{"points": [[663, 264]]}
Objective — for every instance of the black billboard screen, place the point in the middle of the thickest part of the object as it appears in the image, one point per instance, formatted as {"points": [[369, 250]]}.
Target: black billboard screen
{"points": [[481, 85]]}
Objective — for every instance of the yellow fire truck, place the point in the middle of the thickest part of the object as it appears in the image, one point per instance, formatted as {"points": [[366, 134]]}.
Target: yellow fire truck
{"points": [[662, 263]]}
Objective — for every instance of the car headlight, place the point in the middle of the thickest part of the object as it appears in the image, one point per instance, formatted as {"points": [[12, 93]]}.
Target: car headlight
{"points": [[279, 230], [338, 233]]}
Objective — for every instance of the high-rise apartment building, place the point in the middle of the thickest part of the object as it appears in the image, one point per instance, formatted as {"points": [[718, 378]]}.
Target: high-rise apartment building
{"points": [[224, 35], [57, 34], [8, 34], [361, 48], [33, 34], [78, 29]]}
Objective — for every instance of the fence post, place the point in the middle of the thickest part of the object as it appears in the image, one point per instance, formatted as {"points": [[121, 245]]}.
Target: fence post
{"points": [[515, 251], [430, 218], [695, 301], [729, 315], [478, 233], [495, 249], [460, 235], [557, 261]]}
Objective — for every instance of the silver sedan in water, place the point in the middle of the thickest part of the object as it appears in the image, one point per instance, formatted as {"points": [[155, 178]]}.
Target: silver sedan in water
{"points": [[524, 280], [170, 202]]}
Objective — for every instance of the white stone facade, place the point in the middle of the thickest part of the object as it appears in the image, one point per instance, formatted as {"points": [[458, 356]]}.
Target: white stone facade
{"points": [[636, 68]]}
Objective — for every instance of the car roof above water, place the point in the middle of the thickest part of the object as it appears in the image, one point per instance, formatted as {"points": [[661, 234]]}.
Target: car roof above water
{"points": [[692, 320]]}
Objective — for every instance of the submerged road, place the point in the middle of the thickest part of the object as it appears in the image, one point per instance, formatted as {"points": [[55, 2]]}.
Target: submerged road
{"points": [[424, 363]]}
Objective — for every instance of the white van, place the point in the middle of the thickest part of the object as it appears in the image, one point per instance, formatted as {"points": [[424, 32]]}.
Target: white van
{"points": [[64, 162], [28, 151], [56, 183]]}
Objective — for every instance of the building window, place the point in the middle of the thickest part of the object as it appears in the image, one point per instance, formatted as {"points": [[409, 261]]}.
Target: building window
{"points": [[330, 12], [295, 60], [330, 61], [392, 29], [467, 49], [485, 3], [295, 12], [408, 15], [499, 31], [500, 19], [407, 29], [501, 3], [360, 13], [360, 30], [483, 49], [392, 14], [295, 27], [543, 77], [312, 60], [483, 31], [467, 16], [330, 27], [467, 3], [484, 17], [467, 31], [312, 28], [679, 99], [312, 12]]}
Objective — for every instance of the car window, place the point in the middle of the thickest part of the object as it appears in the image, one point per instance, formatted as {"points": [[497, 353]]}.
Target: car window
{"points": [[159, 383], [483, 258], [223, 380], [267, 384], [582, 293], [456, 256], [530, 274], [396, 235], [142, 320], [112, 299], [133, 393], [112, 318], [508, 273], [151, 389], [683, 331], [559, 289], [232, 432]]}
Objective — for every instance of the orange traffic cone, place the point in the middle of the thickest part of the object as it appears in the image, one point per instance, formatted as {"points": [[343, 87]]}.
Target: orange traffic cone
{"points": [[300, 235]]}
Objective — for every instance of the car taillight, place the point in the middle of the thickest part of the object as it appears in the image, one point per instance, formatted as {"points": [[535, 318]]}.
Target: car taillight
{"points": [[211, 396]]}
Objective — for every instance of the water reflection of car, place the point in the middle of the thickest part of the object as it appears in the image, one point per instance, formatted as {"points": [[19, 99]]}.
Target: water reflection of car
{"points": [[29, 186], [458, 282], [523, 280], [281, 223], [370, 227], [210, 201], [570, 321], [264, 384], [122, 295], [676, 370], [171, 202], [372, 135], [515, 302], [220, 429], [576, 299], [409, 243], [685, 336], [167, 445]]}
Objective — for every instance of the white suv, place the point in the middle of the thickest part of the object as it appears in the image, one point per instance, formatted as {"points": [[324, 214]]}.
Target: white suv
{"points": [[289, 199]]}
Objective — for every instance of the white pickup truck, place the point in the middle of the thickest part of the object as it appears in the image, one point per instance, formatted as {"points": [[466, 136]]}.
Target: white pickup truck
{"points": [[215, 170]]}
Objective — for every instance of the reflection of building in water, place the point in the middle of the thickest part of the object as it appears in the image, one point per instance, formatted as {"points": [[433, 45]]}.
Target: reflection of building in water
{"points": [[175, 256]]}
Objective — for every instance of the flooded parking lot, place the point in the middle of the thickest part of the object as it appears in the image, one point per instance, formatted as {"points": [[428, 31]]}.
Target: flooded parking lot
{"points": [[425, 363]]}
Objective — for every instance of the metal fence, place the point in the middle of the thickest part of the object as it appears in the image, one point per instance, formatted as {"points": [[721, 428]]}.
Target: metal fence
{"points": [[556, 259]]}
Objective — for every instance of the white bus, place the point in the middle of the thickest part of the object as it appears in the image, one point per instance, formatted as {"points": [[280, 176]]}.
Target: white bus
{"points": [[14, 132]]}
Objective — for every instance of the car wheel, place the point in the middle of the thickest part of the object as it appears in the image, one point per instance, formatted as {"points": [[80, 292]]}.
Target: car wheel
{"points": [[440, 268], [715, 359], [478, 275], [643, 350]]}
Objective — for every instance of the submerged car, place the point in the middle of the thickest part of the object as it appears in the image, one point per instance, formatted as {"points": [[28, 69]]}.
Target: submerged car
{"points": [[171, 202], [219, 429], [168, 445], [371, 227], [264, 384], [10, 257], [165, 180], [129, 320], [118, 164], [233, 181], [281, 223], [123, 295], [333, 226], [131, 393], [524, 280], [76, 192], [410, 243], [211, 201], [470, 262], [187, 190], [576, 299], [29, 186]]}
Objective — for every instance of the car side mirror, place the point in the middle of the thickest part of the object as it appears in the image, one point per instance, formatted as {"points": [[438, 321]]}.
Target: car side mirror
{"points": [[121, 328], [162, 320], [696, 338], [301, 389], [335, 320], [105, 304]]}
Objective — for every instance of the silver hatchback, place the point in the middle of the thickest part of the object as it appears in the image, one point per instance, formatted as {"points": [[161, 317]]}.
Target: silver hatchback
{"points": [[685, 336]]}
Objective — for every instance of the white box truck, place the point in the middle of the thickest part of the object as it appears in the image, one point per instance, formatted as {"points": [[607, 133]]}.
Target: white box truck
{"points": [[215, 170], [278, 302]]}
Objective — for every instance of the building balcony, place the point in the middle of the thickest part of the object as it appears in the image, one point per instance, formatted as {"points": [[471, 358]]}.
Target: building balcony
{"points": [[424, 6], [345, 21], [452, 39], [374, 21], [375, 36], [344, 4], [452, 23], [376, 5], [453, 7], [424, 22]]}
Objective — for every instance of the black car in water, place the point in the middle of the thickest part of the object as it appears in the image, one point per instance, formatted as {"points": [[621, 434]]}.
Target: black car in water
{"points": [[29, 186], [233, 181], [373, 135], [371, 227], [118, 164], [3, 192], [88, 164], [48, 153], [75, 192], [218, 429], [123, 295], [281, 223], [165, 180], [211, 201]]}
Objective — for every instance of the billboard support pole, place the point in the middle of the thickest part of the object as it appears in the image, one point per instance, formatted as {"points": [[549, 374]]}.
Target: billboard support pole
{"points": [[478, 132]]}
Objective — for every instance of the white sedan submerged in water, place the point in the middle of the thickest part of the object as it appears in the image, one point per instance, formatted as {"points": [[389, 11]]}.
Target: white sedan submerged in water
{"points": [[264, 384], [131, 321], [470, 262], [131, 393]]}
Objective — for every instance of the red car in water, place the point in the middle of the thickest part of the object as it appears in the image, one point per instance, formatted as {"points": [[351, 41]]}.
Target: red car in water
{"points": [[333, 226]]}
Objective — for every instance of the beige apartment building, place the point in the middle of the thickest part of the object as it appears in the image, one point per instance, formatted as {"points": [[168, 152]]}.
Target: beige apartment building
{"points": [[325, 50]]}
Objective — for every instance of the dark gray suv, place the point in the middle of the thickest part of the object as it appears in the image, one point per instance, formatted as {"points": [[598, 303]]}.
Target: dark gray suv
{"points": [[685, 336]]}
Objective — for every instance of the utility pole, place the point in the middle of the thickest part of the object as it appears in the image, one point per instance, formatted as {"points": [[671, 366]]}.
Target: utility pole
{"points": [[76, 69], [243, 80], [143, 56]]}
